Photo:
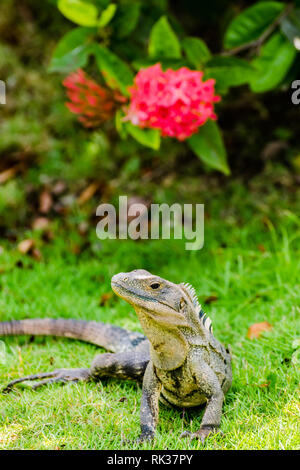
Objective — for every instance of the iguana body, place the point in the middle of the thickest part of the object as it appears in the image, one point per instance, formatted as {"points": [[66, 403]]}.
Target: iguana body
{"points": [[179, 360]]}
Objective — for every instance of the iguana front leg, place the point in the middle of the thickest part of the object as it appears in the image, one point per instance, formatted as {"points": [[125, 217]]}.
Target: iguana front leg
{"points": [[210, 386], [149, 404]]}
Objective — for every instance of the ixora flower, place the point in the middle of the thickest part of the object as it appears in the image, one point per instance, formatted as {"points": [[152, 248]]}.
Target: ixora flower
{"points": [[177, 102], [93, 103]]}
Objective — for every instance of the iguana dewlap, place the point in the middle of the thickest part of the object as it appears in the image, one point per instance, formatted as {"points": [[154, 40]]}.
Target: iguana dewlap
{"points": [[179, 360]]}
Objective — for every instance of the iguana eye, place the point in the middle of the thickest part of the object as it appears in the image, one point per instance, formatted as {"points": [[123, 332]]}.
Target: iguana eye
{"points": [[155, 285]]}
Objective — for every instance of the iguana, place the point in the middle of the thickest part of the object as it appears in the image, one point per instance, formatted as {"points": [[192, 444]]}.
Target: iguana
{"points": [[179, 360]]}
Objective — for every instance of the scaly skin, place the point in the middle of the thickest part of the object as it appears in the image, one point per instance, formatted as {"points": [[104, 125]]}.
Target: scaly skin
{"points": [[179, 360]]}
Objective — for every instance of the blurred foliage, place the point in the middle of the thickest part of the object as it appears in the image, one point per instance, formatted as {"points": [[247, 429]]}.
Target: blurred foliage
{"points": [[259, 48], [43, 148]]}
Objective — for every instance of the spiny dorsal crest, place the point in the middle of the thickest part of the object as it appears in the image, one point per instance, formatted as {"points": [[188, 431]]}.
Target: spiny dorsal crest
{"points": [[205, 320]]}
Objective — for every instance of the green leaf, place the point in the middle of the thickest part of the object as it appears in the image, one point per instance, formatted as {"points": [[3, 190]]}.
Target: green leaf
{"points": [[120, 124], [148, 137], [84, 14], [196, 51], [163, 41], [72, 51], [209, 147], [276, 57], [229, 71], [290, 27], [115, 72], [101, 4], [107, 15], [73, 39], [251, 23], [126, 19]]}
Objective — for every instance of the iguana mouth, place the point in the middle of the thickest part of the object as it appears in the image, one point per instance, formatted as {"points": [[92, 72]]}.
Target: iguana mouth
{"points": [[156, 309], [121, 289]]}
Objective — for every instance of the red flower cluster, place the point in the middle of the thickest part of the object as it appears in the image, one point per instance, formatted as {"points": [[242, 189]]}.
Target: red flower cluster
{"points": [[94, 103], [175, 101]]}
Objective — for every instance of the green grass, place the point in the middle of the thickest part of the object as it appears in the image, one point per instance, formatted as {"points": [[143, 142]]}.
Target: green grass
{"points": [[250, 261]]}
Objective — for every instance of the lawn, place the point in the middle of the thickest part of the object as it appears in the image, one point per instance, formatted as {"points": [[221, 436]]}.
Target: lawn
{"points": [[248, 272]]}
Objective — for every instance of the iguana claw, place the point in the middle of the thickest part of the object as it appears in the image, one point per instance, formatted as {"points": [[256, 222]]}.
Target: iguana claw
{"points": [[57, 376], [202, 434], [144, 438], [139, 440]]}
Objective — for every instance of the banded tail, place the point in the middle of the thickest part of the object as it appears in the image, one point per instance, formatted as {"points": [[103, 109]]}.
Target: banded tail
{"points": [[112, 338]]}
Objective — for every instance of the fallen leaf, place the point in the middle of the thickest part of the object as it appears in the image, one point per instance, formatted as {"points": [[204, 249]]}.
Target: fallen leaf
{"points": [[75, 248], [8, 174], [87, 193], [25, 246], [261, 248], [46, 202], [210, 299], [40, 223], [67, 200], [83, 228], [60, 209], [105, 298], [36, 254], [59, 188], [264, 385], [257, 329], [122, 399]]}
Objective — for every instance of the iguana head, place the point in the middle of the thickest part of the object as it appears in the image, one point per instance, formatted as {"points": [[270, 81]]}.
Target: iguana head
{"points": [[165, 310], [159, 297]]}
